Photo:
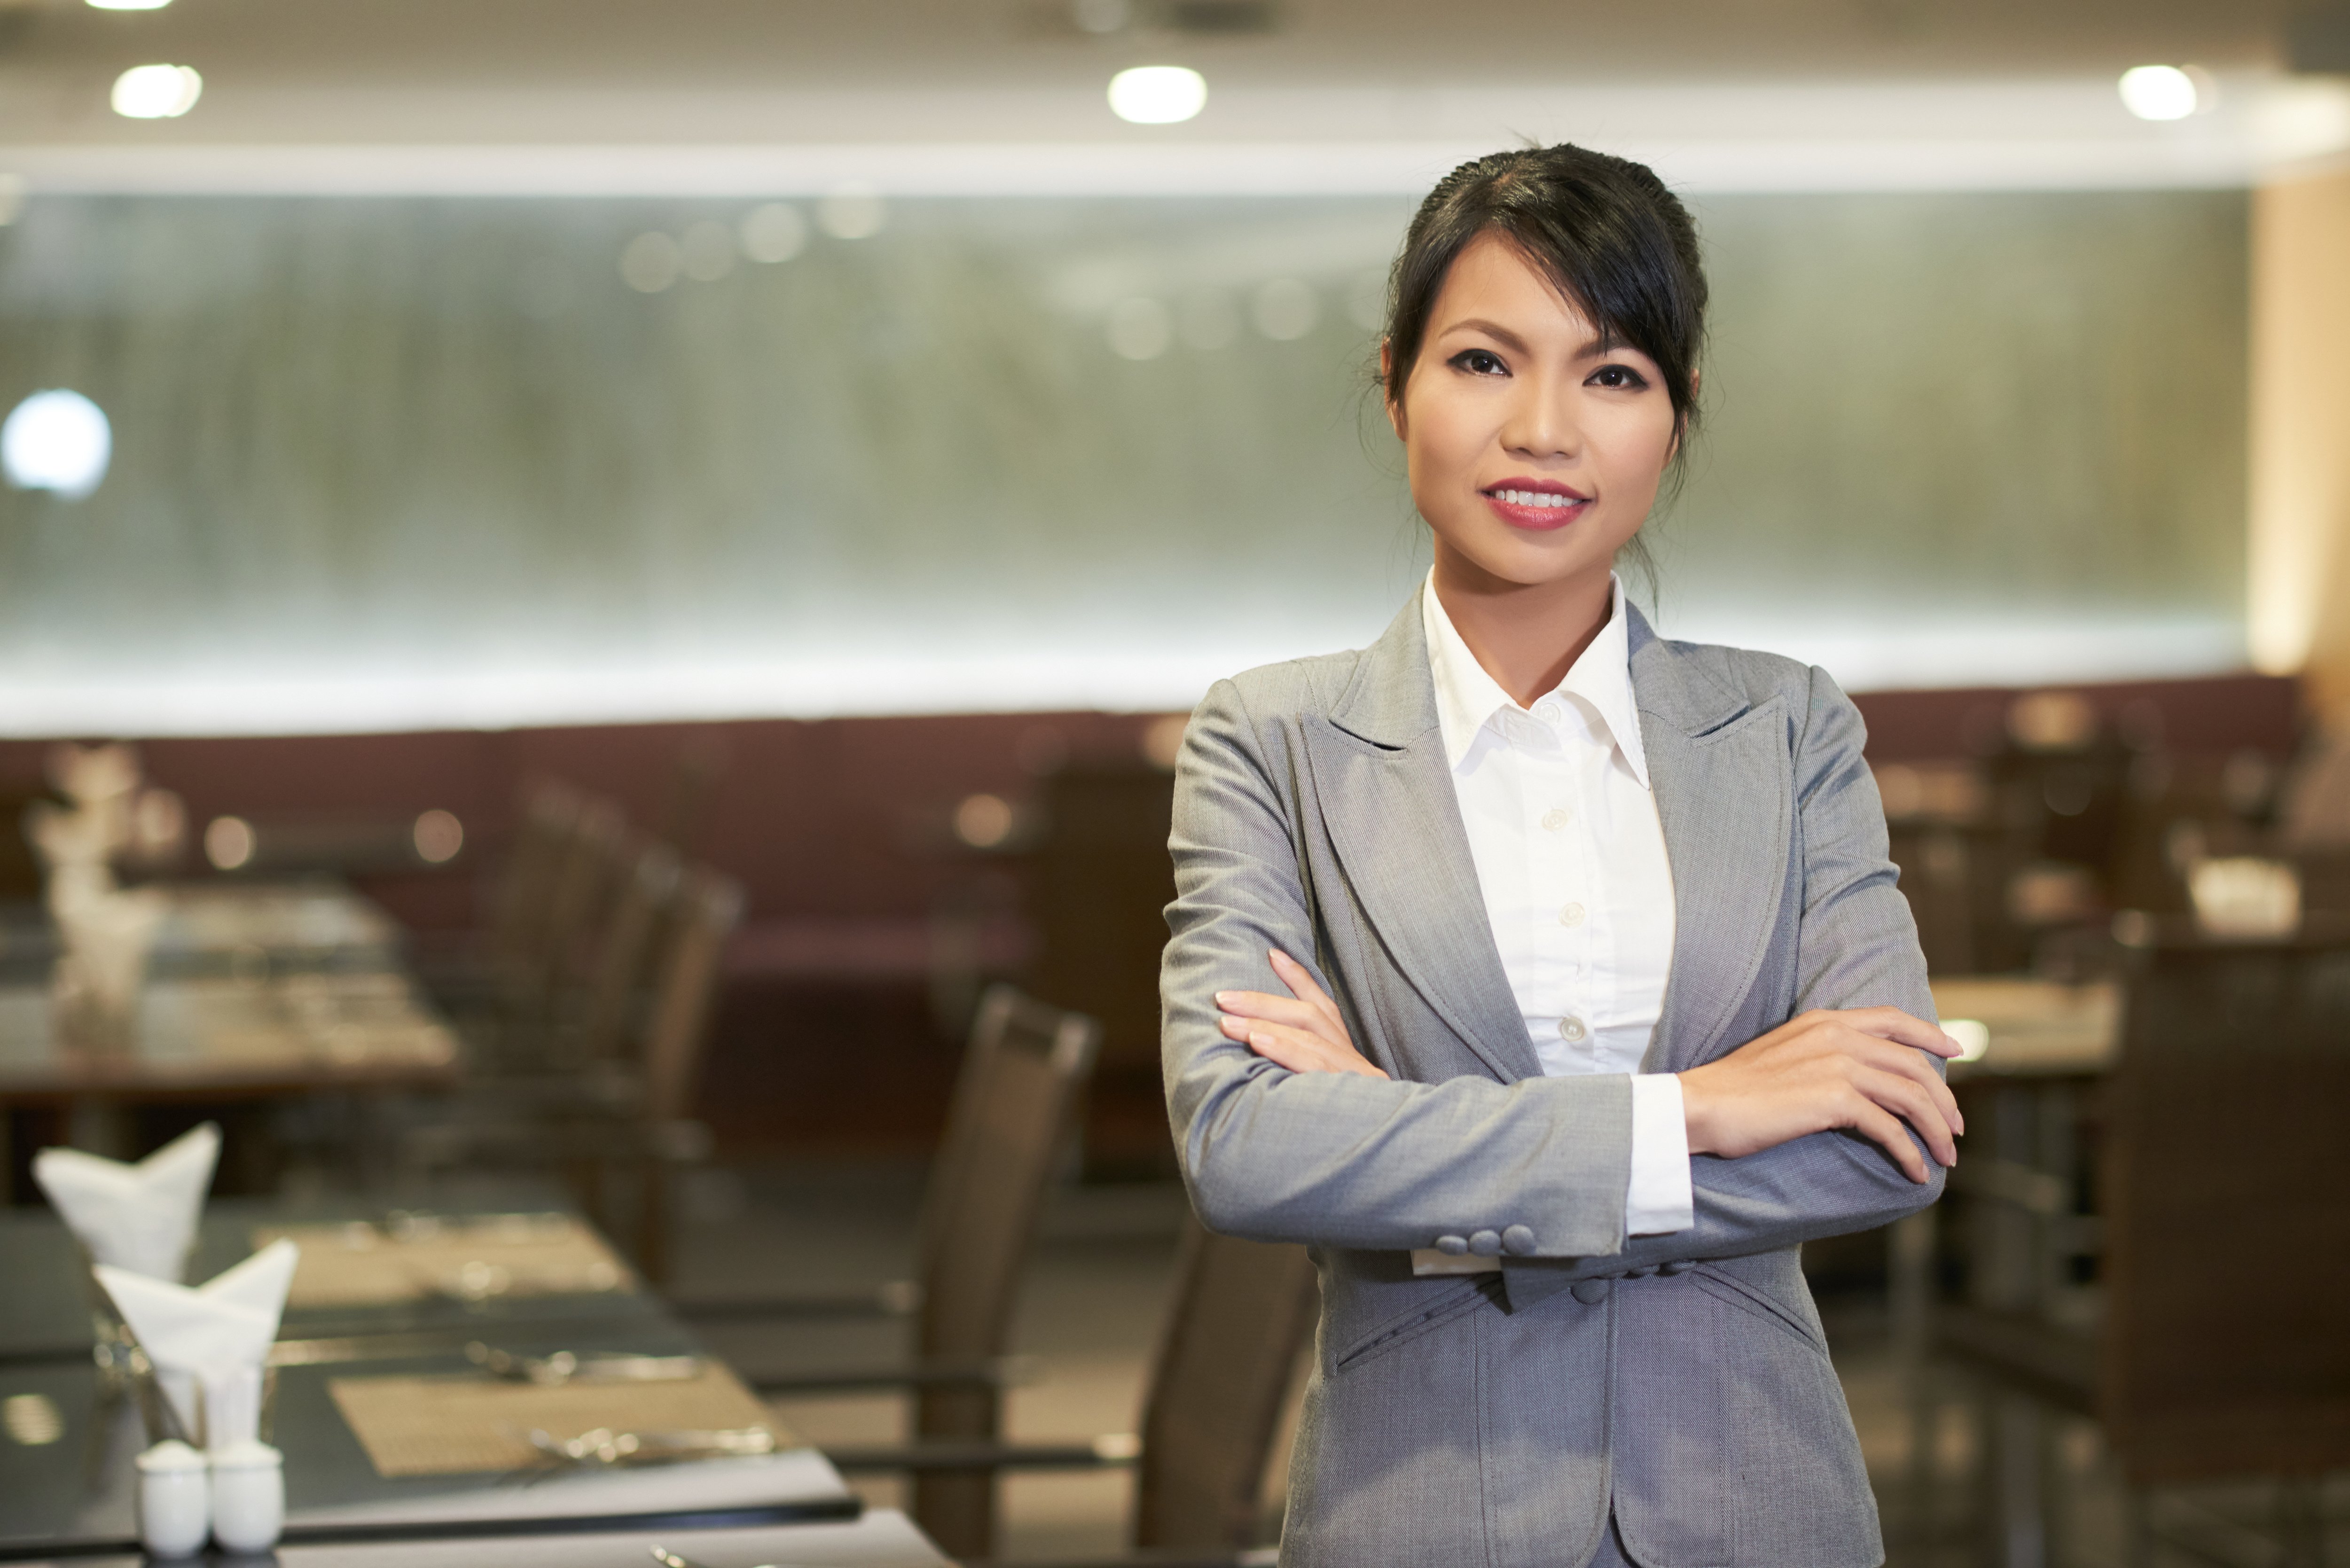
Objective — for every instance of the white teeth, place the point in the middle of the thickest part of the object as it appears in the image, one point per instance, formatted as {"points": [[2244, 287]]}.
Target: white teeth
{"points": [[1539, 498]]}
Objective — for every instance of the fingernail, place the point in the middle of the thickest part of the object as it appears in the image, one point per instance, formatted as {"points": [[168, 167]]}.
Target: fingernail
{"points": [[1223, 999]]}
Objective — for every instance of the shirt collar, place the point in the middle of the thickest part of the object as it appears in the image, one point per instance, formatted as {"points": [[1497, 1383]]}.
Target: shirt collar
{"points": [[1469, 701]]}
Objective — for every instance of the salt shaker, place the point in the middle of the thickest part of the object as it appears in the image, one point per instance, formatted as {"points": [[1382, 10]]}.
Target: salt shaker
{"points": [[248, 1496], [174, 1500]]}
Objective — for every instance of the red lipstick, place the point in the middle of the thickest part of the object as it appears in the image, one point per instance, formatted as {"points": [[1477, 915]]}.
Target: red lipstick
{"points": [[1538, 506]]}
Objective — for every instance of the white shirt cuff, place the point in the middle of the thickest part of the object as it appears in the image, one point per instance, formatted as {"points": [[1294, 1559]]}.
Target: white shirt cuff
{"points": [[1658, 1202]]}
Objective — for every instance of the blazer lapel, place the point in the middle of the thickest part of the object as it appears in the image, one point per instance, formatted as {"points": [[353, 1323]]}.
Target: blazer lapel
{"points": [[1387, 801], [1717, 765]]}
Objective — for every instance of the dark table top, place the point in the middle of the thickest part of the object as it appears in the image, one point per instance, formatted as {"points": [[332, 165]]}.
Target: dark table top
{"points": [[45, 1312], [882, 1538], [72, 1492]]}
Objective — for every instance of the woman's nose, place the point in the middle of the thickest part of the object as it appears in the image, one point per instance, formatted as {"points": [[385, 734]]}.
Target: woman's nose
{"points": [[1544, 424]]}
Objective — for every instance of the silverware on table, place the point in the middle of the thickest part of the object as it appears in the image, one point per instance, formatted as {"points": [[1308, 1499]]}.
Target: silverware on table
{"points": [[667, 1559], [603, 1446], [568, 1366]]}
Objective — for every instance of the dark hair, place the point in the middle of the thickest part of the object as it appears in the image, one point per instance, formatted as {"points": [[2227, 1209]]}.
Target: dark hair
{"points": [[1605, 230]]}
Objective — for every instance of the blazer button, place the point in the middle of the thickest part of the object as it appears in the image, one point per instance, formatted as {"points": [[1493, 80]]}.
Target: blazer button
{"points": [[1453, 1245], [1485, 1244], [1518, 1242], [1591, 1293]]}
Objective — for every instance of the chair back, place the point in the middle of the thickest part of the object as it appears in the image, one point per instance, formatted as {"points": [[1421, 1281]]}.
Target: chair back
{"points": [[709, 908], [2225, 1349], [1243, 1313], [640, 914], [585, 878], [527, 893], [1014, 1100]]}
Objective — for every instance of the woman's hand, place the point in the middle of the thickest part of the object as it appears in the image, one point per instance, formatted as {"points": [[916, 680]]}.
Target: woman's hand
{"points": [[1302, 1032], [1859, 1069]]}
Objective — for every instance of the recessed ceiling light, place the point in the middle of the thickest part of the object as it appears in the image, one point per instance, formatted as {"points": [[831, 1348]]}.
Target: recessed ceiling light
{"points": [[1158, 95], [157, 92], [2160, 92], [57, 440], [129, 4]]}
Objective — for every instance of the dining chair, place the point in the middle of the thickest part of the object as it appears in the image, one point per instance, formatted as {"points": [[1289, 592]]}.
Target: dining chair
{"points": [[1240, 1315], [1009, 1121], [2223, 1350], [587, 875], [625, 1105], [676, 1033], [620, 979], [519, 916]]}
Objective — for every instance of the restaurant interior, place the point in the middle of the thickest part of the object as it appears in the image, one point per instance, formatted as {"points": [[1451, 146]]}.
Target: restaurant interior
{"points": [[597, 607]]}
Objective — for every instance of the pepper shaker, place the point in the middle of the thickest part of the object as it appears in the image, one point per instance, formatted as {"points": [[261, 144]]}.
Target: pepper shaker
{"points": [[248, 1496]]}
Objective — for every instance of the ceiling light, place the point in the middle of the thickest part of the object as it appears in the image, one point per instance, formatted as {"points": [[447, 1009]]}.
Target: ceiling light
{"points": [[57, 441], [157, 92], [1158, 95], [2159, 92], [129, 4]]}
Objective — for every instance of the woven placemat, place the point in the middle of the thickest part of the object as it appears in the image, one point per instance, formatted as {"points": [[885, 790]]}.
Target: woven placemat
{"points": [[461, 1425], [473, 1259]]}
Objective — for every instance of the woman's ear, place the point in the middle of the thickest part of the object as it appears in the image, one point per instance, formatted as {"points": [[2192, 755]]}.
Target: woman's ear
{"points": [[1387, 385]]}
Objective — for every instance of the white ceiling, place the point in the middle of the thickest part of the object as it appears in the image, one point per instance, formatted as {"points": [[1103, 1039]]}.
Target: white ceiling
{"points": [[730, 96]]}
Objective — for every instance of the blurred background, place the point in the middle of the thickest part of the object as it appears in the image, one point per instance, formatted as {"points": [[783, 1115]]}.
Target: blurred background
{"points": [[578, 583]]}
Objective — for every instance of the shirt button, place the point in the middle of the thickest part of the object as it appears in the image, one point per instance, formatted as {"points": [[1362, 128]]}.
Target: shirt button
{"points": [[1571, 916], [1555, 818], [1547, 712], [1572, 1031]]}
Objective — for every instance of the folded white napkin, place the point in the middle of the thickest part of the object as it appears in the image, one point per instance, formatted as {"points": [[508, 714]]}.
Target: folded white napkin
{"points": [[208, 1345], [138, 1216]]}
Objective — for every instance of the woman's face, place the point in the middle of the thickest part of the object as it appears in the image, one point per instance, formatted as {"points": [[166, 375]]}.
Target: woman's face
{"points": [[1534, 456]]}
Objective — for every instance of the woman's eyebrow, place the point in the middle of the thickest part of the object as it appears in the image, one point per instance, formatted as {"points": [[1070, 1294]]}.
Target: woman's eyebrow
{"points": [[1594, 348], [1494, 329]]}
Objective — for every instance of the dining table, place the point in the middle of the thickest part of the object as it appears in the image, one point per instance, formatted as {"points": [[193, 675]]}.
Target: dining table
{"points": [[444, 1376], [255, 993]]}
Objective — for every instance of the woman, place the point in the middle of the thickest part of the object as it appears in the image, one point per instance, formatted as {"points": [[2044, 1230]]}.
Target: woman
{"points": [[1595, 995]]}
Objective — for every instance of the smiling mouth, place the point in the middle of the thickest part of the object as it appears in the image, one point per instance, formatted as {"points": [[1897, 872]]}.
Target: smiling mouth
{"points": [[1539, 510], [1538, 499]]}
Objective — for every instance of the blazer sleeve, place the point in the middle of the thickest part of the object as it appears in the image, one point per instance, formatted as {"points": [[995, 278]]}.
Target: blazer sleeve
{"points": [[1856, 946], [1342, 1159]]}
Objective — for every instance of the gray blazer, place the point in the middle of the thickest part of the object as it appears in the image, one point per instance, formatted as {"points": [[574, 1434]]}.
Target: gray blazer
{"points": [[1681, 1380]]}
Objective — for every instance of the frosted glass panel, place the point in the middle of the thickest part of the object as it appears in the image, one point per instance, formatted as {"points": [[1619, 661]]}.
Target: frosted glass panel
{"points": [[388, 462]]}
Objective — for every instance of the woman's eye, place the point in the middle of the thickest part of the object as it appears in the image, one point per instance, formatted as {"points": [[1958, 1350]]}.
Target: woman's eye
{"points": [[1618, 376], [1479, 362]]}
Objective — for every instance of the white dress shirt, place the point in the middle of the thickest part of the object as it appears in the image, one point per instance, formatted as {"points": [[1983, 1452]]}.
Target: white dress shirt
{"points": [[1570, 857]]}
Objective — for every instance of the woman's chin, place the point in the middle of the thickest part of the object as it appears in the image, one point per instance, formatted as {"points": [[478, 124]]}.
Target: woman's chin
{"points": [[1531, 561]]}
